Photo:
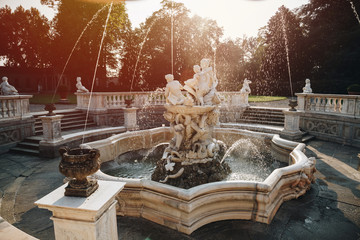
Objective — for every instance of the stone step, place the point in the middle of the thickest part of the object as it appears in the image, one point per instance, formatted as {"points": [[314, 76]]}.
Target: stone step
{"points": [[28, 145], [69, 126], [276, 118], [25, 151], [275, 123]]}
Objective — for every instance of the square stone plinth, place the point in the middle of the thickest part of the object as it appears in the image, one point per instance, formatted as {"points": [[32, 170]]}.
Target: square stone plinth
{"points": [[88, 218]]}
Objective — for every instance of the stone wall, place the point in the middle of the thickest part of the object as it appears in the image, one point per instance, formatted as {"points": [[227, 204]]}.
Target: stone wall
{"points": [[334, 128], [14, 131]]}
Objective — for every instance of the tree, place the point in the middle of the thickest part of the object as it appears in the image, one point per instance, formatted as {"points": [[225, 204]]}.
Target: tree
{"points": [[25, 38], [230, 65], [332, 40], [283, 45], [150, 53], [85, 22]]}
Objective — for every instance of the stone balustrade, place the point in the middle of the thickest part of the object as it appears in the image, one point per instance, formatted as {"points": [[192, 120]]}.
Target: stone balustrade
{"points": [[14, 106], [331, 117], [116, 100], [348, 105]]}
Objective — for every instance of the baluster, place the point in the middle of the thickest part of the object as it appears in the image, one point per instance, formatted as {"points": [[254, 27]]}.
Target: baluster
{"points": [[344, 106], [338, 105], [2, 109], [327, 105], [322, 105], [308, 104], [317, 104]]}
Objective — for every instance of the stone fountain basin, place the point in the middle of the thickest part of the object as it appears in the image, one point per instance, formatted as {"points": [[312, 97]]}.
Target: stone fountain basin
{"points": [[186, 210]]}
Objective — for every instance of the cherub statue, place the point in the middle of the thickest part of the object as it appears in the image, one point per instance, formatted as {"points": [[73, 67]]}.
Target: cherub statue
{"points": [[307, 88], [6, 88], [192, 85], [173, 92], [80, 87]]}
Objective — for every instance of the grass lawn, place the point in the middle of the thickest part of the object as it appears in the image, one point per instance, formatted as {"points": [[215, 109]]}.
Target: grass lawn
{"points": [[45, 98], [265, 98]]}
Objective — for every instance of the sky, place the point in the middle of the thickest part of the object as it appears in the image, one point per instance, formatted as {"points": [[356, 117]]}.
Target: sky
{"points": [[237, 17]]}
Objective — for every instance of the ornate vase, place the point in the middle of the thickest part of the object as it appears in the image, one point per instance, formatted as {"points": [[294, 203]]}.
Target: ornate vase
{"points": [[77, 164], [292, 105]]}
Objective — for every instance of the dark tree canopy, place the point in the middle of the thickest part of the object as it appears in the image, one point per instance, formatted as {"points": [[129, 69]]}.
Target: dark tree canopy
{"points": [[75, 19], [322, 39], [24, 38], [194, 39]]}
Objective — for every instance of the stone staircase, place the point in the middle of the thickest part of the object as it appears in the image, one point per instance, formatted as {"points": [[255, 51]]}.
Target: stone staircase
{"points": [[72, 120], [264, 116]]}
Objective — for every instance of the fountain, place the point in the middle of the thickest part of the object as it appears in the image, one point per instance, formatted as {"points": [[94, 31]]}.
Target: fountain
{"points": [[190, 183], [193, 155]]}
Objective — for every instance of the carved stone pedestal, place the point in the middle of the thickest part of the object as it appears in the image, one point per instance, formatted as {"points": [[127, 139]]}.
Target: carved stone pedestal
{"points": [[130, 120], [90, 218], [51, 128], [291, 129]]}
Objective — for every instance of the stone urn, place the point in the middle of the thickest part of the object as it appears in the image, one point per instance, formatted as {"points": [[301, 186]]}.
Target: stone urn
{"points": [[128, 103], [77, 164], [292, 104]]}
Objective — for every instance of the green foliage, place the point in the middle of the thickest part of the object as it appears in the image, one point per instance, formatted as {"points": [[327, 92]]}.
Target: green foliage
{"points": [[322, 37], [150, 51], [333, 36], [77, 18], [283, 33], [25, 38]]}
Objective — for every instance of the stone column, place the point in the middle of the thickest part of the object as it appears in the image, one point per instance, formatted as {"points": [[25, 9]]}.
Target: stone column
{"points": [[51, 128], [301, 101], [90, 218], [130, 118], [291, 129]]}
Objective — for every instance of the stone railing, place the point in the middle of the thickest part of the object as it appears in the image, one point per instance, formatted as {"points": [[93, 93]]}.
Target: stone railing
{"points": [[116, 100], [348, 105], [14, 106], [331, 117]]}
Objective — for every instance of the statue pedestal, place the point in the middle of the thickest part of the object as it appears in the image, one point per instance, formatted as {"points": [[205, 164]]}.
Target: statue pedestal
{"points": [[51, 128], [291, 129], [130, 120], [88, 218]]}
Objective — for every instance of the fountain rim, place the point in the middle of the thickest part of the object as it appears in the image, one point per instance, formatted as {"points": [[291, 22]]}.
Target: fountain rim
{"points": [[297, 157]]}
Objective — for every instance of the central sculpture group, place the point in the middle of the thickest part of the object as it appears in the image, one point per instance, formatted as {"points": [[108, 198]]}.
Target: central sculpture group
{"points": [[193, 156]]}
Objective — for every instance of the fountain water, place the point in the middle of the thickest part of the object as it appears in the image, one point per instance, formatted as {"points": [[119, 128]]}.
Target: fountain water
{"points": [[72, 50], [355, 12]]}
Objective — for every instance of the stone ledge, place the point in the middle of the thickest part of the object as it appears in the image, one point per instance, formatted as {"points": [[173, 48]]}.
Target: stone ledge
{"points": [[8, 232]]}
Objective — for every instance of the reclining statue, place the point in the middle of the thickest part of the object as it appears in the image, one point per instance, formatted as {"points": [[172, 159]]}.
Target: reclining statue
{"points": [[6, 88], [80, 87]]}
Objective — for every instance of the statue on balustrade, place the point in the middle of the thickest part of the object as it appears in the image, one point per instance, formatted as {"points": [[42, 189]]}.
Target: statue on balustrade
{"points": [[80, 87], [244, 93], [6, 88], [307, 88]]}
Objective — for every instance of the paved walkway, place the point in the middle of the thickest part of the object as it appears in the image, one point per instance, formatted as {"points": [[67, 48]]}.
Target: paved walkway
{"points": [[330, 210]]}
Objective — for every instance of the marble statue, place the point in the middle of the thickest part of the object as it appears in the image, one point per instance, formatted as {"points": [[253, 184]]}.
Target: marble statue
{"points": [[173, 92], [192, 115], [244, 93], [6, 88], [80, 87], [307, 88]]}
